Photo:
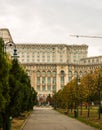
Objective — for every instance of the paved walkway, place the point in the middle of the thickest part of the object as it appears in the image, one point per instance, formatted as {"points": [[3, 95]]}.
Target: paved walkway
{"points": [[48, 119]]}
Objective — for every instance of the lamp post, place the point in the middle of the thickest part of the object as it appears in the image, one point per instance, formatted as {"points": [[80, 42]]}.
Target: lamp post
{"points": [[10, 44], [76, 96], [5, 115], [99, 95], [99, 111], [55, 101]]}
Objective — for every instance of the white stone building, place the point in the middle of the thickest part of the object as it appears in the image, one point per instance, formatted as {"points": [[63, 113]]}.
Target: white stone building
{"points": [[51, 66]]}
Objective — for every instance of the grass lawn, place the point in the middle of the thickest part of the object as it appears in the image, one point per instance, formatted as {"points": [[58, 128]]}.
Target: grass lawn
{"points": [[19, 121], [92, 120]]}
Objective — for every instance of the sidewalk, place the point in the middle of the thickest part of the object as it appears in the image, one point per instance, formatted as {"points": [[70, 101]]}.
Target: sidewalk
{"points": [[48, 119]]}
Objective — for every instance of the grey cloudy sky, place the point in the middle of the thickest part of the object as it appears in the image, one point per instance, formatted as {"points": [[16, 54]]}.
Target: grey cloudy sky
{"points": [[52, 21]]}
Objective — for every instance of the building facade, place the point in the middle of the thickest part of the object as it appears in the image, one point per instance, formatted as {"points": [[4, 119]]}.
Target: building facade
{"points": [[51, 66]]}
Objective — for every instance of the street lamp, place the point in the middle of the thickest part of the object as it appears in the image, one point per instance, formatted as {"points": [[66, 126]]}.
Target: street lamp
{"points": [[99, 94], [76, 96], [10, 44], [6, 119], [55, 101]]}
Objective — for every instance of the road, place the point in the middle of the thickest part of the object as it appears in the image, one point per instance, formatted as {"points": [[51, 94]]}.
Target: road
{"points": [[48, 119]]}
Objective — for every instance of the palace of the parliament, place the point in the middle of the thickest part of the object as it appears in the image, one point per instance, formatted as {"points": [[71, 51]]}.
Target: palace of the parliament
{"points": [[51, 66]]}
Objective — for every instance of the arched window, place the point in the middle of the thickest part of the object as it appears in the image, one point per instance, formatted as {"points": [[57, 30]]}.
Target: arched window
{"points": [[43, 80], [85, 72], [70, 73], [54, 73], [80, 73], [75, 73], [38, 73], [48, 80], [62, 73], [48, 73], [43, 88], [54, 80], [43, 73]]}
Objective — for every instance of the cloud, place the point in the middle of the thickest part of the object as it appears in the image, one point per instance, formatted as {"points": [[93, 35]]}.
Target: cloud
{"points": [[52, 20]]}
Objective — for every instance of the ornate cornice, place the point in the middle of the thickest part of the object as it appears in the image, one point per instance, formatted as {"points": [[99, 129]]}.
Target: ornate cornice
{"points": [[93, 57], [49, 45], [60, 64]]}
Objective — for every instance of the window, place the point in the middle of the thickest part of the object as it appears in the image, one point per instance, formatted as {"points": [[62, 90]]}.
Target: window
{"points": [[62, 72], [54, 88], [43, 88], [49, 88], [61, 56], [97, 60], [43, 80], [70, 78], [22, 60], [81, 73], [43, 56], [54, 80], [48, 80], [43, 60], [38, 73], [49, 73], [53, 49], [48, 54], [27, 60], [92, 60], [54, 73], [74, 57], [43, 73], [22, 55], [75, 73], [38, 60], [48, 58], [61, 60], [53, 59], [88, 61], [38, 80], [33, 56], [38, 56], [85, 72], [62, 78], [43, 53]]}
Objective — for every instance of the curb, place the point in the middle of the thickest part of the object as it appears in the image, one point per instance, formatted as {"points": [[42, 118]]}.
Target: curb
{"points": [[26, 120]]}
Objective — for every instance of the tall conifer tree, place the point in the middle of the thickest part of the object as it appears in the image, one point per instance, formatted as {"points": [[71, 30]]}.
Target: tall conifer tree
{"points": [[4, 85]]}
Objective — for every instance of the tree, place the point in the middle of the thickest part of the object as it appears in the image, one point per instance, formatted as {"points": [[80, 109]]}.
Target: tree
{"points": [[4, 85], [98, 92], [16, 93], [22, 95]]}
